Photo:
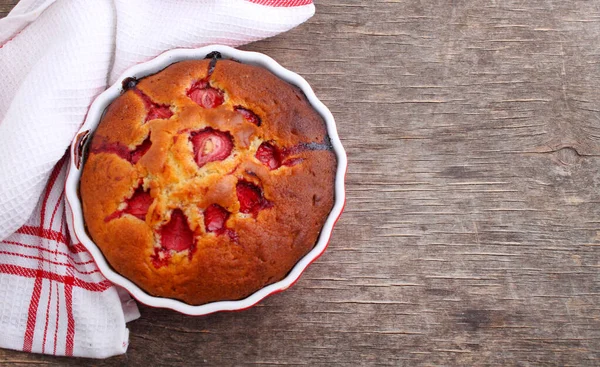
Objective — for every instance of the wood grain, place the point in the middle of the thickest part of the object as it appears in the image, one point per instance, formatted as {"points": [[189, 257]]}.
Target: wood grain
{"points": [[472, 229], [6, 6]]}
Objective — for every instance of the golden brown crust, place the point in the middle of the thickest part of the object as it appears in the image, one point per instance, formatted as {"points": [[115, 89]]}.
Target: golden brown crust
{"points": [[258, 248]]}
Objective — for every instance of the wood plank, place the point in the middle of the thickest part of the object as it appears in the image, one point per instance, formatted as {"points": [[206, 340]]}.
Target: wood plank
{"points": [[472, 229], [6, 6]]}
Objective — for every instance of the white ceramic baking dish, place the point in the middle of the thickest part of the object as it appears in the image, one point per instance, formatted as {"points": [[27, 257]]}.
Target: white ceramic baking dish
{"points": [[151, 67]]}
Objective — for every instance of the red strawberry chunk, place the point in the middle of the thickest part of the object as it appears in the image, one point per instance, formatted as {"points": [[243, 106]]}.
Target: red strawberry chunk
{"points": [[154, 110], [211, 145], [160, 258], [139, 203], [204, 95], [269, 155], [176, 235], [251, 198], [140, 150], [159, 112], [114, 148], [248, 115], [122, 151], [215, 217]]}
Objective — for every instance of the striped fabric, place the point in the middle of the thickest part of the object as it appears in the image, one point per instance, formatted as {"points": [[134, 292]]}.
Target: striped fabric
{"points": [[53, 299], [48, 281]]}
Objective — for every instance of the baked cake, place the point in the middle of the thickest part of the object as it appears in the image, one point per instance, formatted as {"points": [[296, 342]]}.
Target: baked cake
{"points": [[208, 180]]}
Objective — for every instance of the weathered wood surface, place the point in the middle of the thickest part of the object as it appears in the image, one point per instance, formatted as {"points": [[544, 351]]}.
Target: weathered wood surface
{"points": [[472, 229]]}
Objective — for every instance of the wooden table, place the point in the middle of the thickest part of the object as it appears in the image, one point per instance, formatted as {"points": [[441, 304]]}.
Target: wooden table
{"points": [[472, 230]]}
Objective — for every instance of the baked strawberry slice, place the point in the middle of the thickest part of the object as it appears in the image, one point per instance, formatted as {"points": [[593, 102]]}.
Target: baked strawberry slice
{"points": [[176, 235], [204, 95], [137, 205], [114, 148], [215, 217], [269, 155], [154, 110], [251, 198], [140, 150], [211, 145], [122, 151], [160, 258], [248, 115], [159, 112]]}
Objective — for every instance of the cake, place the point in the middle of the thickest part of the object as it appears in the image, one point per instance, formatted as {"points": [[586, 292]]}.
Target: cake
{"points": [[208, 180]]}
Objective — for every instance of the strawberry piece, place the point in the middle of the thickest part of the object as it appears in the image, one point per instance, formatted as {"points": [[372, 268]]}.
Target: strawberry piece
{"points": [[140, 150], [154, 110], [251, 198], [269, 155], [274, 157], [215, 217], [159, 112], [176, 235], [114, 148], [137, 205], [211, 145], [160, 258], [248, 115], [204, 95], [122, 151]]}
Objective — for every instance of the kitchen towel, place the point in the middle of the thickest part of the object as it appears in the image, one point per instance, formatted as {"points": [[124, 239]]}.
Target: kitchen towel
{"points": [[56, 56]]}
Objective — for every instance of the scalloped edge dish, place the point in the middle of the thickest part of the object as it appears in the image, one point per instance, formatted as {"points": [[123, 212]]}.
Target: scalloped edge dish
{"points": [[92, 120]]}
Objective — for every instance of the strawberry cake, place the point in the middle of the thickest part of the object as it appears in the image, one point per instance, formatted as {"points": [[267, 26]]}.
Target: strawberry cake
{"points": [[208, 180]]}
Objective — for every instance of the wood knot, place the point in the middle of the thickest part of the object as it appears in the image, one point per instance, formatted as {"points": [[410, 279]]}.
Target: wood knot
{"points": [[568, 156]]}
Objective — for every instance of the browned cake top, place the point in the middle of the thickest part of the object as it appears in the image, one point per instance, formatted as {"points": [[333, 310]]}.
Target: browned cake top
{"points": [[208, 180]]}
